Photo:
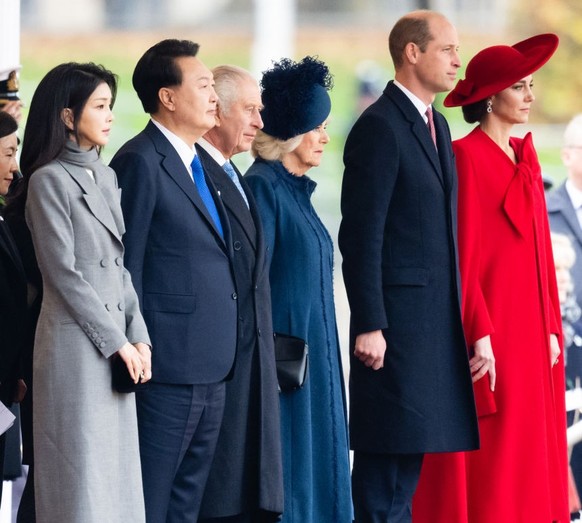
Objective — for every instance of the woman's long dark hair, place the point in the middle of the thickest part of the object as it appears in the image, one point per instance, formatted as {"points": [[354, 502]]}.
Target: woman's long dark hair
{"points": [[66, 86]]}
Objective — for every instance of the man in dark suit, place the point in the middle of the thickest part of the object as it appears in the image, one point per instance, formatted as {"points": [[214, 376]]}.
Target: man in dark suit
{"points": [[565, 215], [12, 285], [245, 482], [565, 202], [178, 252], [410, 383]]}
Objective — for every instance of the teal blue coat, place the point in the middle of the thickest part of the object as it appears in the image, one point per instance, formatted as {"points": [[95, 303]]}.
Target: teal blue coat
{"points": [[313, 420]]}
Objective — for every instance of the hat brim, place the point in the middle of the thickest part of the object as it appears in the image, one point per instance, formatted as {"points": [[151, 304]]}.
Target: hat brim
{"points": [[498, 67]]}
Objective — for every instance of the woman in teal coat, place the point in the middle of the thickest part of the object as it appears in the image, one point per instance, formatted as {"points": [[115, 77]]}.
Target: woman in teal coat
{"points": [[313, 419]]}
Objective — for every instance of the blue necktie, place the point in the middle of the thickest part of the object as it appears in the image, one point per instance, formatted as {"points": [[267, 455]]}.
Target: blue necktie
{"points": [[229, 169], [204, 191]]}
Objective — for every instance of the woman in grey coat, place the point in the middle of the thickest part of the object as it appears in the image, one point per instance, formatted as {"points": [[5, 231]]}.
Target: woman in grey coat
{"points": [[87, 466]]}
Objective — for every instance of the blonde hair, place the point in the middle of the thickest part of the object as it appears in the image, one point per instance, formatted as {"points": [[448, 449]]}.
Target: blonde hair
{"points": [[270, 148]]}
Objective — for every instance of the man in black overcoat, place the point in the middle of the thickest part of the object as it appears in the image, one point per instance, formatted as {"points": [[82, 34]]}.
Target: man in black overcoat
{"points": [[245, 482], [410, 383]]}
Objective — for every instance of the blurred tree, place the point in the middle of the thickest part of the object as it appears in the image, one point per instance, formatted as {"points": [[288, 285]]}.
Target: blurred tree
{"points": [[559, 80]]}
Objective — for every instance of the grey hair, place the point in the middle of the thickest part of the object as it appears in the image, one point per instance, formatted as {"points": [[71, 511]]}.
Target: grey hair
{"points": [[270, 148], [226, 81]]}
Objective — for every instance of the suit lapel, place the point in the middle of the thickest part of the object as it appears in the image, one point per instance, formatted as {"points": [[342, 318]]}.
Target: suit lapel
{"points": [[567, 209], [418, 127], [93, 197], [176, 170], [229, 194]]}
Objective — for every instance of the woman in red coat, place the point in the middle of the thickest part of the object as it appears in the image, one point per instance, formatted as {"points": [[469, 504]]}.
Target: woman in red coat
{"points": [[511, 313]]}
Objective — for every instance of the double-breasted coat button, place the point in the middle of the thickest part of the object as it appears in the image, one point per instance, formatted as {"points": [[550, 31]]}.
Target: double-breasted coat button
{"points": [[237, 245], [107, 306], [104, 262], [118, 261], [234, 296], [119, 307]]}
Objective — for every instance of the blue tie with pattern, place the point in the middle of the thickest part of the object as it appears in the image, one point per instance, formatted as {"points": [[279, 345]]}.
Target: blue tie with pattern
{"points": [[204, 191], [229, 169]]}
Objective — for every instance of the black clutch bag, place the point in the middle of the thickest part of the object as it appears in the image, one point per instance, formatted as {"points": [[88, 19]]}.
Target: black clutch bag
{"points": [[120, 378], [292, 358]]}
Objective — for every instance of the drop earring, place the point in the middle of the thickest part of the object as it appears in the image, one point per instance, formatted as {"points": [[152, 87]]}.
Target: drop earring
{"points": [[489, 106]]}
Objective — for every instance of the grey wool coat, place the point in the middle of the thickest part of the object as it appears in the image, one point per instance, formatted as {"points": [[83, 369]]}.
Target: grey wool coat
{"points": [[87, 465]]}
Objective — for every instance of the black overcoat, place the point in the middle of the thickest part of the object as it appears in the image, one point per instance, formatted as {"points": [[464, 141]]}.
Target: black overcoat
{"points": [[13, 312], [246, 474], [398, 241]]}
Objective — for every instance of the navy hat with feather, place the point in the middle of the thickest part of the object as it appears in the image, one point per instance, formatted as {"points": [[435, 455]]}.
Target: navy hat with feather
{"points": [[295, 97]]}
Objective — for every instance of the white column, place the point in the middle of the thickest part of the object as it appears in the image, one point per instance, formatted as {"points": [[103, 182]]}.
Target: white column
{"points": [[71, 16], [275, 22], [9, 34]]}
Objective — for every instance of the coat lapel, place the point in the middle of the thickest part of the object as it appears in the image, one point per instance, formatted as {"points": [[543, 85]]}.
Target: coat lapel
{"points": [[564, 205], [418, 127], [93, 197], [229, 194]]}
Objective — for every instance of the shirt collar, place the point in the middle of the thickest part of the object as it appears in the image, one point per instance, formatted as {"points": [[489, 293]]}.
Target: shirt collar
{"points": [[185, 152], [421, 107], [217, 156]]}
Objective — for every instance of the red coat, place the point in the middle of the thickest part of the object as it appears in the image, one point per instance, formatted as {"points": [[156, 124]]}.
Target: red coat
{"points": [[509, 292]]}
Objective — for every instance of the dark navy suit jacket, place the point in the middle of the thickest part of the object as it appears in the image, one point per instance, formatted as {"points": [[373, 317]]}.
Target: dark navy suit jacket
{"points": [[180, 266], [398, 241], [563, 220]]}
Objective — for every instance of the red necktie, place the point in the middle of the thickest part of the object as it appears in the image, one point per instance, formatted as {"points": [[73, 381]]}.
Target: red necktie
{"points": [[430, 124]]}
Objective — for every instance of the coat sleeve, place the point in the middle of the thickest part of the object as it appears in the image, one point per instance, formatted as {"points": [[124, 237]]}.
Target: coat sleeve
{"points": [[371, 159], [48, 214], [476, 319]]}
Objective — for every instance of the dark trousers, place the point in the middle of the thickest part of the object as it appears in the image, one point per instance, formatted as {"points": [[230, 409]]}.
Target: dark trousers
{"points": [[383, 486], [248, 517], [178, 430]]}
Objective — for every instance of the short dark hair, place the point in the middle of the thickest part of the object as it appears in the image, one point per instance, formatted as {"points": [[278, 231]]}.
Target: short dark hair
{"points": [[413, 27], [8, 125], [157, 68], [475, 112]]}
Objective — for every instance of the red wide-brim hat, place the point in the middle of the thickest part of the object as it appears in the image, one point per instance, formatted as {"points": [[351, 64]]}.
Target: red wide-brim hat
{"points": [[496, 68]]}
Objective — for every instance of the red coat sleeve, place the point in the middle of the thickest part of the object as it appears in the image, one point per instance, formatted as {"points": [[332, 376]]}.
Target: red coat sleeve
{"points": [[476, 319]]}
